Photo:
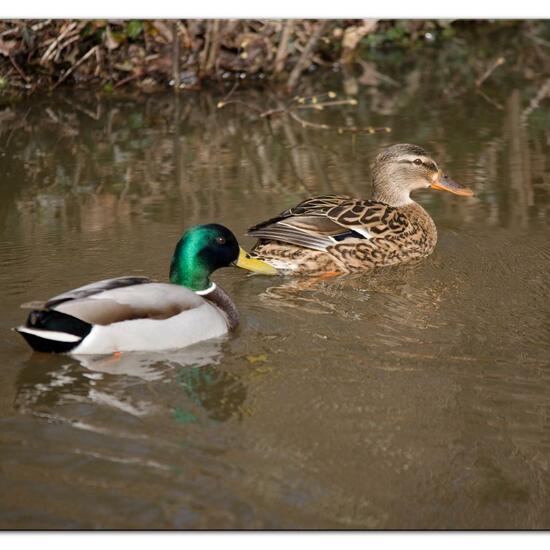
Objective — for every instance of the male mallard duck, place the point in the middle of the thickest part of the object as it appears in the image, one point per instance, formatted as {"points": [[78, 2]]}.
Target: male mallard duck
{"points": [[340, 234], [138, 314]]}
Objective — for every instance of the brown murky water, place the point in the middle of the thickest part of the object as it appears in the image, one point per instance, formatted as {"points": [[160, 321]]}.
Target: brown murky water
{"points": [[415, 397]]}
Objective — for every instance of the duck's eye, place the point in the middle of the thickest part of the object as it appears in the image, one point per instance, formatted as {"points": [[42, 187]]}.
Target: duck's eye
{"points": [[418, 162], [220, 240]]}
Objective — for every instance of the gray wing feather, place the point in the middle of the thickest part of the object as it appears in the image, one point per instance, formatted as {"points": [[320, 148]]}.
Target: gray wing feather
{"points": [[292, 235], [95, 288], [311, 231], [146, 301]]}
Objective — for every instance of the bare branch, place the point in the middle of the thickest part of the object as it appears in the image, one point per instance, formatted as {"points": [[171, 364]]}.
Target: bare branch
{"points": [[304, 60], [340, 129], [87, 55], [499, 61], [176, 56], [282, 50]]}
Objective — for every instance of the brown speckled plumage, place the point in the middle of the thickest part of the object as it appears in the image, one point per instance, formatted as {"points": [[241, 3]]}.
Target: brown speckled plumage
{"points": [[337, 233]]}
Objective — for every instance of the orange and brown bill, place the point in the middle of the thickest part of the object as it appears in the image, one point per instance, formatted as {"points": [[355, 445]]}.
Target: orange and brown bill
{"points": [[447, 184]]}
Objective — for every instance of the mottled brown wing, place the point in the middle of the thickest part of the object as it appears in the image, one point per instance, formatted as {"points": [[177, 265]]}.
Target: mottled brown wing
{"points": [[372, 218], [325, 220], [316, 205], [312, 231]]}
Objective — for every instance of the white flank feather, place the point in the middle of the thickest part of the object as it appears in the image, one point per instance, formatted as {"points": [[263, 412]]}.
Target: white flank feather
{"points": [[362, 231], [188, 327], [50, 334]]}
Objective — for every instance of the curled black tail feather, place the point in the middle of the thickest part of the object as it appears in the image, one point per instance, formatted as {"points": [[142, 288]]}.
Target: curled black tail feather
{"points": [[50, 320], [38, 343]]}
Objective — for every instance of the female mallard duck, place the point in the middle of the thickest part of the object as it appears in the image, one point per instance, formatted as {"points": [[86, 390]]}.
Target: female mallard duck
{"points": [[340, 234], [138, 314]]}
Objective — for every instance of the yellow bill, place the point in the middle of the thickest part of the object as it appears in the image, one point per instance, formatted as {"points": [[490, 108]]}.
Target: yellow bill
{"points": [[253, 264]]}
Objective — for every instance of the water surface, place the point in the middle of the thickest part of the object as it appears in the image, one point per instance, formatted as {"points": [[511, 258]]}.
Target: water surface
{"points": [[411, 397]]}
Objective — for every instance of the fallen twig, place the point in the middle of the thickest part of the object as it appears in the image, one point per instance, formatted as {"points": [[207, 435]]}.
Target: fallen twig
{"points": [[309, 103], [129, 79], [282, 50], [304, 58], [544, 91], [80, 107], [69, 71], [67, 42], [18, 69], [321, 105], [40, 25], [489, 100], [222, 104], [538, 40], [339, 129], [314, 103], [316, 106], [49, 53], [9, 32], [214, 46], [176, 56], [15, 30], [499, 61], [230, 93]]}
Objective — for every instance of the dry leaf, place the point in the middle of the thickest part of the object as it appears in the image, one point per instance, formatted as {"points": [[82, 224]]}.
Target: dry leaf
{"points": [[7, 47], [110, 41]]}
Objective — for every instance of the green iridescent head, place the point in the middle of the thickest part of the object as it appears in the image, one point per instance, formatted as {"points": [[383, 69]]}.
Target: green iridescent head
{"points": [[204, 248]]}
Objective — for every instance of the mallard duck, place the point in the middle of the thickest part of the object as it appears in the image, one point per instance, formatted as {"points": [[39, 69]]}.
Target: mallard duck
{"points": [[340, 234], [139, 314]]}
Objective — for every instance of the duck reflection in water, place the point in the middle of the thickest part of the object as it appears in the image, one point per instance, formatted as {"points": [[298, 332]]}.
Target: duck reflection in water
{"points": [[133, 383]]}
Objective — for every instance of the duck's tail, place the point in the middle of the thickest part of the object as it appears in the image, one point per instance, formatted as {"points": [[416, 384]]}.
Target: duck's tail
{"points": [[53, 331]]}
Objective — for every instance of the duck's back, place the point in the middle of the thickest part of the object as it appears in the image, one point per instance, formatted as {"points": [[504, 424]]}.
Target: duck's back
{"points": [[339, 233], [121, 315]]}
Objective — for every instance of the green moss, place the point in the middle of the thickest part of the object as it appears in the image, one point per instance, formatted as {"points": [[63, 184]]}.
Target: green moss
{"points": [[134, 29], [184, 416]]}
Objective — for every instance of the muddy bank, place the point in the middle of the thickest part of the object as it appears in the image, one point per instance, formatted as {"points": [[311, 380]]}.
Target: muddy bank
{"points": [[109, 55]]}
